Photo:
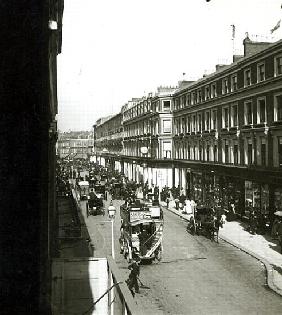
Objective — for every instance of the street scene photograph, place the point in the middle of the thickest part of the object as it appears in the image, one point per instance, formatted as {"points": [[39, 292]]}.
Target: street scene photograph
{"points": [[146, 160]]}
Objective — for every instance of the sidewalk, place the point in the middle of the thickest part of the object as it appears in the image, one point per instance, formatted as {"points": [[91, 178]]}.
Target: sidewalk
{"points": [[262, 247]]}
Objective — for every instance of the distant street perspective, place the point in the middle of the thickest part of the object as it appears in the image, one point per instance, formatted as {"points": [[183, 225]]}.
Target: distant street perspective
{"points": [[192, 272]]}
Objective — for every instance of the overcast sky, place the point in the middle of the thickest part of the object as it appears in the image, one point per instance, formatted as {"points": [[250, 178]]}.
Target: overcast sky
{"points": [[114, 50]]}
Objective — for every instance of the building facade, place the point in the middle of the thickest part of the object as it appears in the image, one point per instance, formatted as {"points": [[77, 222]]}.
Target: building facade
{"points": [[78, 145], [219, 138]]}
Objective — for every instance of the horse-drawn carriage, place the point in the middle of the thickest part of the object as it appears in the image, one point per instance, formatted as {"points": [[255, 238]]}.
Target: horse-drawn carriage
{"points": [[205, 222], [94, 205]]}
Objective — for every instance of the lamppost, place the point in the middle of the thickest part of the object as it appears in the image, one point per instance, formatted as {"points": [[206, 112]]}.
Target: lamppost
{"points": [[111, 214]]}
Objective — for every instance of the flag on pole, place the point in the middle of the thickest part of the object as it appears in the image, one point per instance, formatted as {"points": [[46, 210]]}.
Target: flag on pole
{"points": [[275, 27]]}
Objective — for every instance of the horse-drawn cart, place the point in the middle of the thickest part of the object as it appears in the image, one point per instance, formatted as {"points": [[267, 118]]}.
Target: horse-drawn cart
{"points": [[205, 222]]}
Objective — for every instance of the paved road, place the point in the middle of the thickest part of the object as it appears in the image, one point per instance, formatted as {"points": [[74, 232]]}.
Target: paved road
{"points": [[196, 276]]}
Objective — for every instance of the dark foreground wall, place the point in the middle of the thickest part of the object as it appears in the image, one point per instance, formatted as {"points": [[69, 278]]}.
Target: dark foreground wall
{"points": [[24, 123]]}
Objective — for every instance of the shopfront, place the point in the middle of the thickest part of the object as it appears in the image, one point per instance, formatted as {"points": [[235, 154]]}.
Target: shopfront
{"points": [[257, 198]]}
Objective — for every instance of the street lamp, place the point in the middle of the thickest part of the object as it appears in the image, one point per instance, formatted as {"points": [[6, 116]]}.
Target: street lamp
{"points": [[111, 214]]}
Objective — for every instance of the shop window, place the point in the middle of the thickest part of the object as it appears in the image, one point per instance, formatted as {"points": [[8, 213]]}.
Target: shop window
{"points": [[278, 199], [225, 117], [248, 113], [234, 115], [260, 72], [213, 90], [166, 106], [261, 111], [234, 83], [278, 107], [278, 65], [247, 77]]}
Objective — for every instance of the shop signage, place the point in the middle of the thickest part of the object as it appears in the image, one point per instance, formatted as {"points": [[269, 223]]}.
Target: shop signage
{"points": [[139, 215]]}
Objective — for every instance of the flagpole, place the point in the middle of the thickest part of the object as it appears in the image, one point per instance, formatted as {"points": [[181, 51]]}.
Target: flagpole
{"points": [[233, 37]]}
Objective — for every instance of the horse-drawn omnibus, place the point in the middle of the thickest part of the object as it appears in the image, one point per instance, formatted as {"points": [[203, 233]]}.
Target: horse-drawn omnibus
{"points": [[141, 231]]}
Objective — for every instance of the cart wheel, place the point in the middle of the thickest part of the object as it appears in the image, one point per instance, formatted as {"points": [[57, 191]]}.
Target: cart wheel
{"points": [[159, 254]]}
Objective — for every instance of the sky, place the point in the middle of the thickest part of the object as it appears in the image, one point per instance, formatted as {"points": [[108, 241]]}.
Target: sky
{"points": [[114, 50]]}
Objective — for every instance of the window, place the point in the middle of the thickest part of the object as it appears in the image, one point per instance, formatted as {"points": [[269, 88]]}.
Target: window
{"points": [[189, 124], [225, 117], [214, 120], [213, 90], [199, 96], [234, 83], [226, 152], [260, 72], [189, 99], [207, 92], [207, 121], [250, 153], [278, 65], [199, 123], [166, 126], [263, 151], [215, 153], [247, 77], [261, 111], [248, 113], [224, 86], [234, 115], [236, 153], [278, 107], [194, 123], [208, 153], [166, 149], [194, 98], [166, 106], [280, 151], [188, 152]]}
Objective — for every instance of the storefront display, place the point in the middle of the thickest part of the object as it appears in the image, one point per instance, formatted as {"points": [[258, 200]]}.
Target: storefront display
{"points": [[197, 191], [278, 199], [256, 198]]}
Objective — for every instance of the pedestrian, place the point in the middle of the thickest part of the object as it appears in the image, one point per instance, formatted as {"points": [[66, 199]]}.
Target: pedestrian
{"points": [[167, 201], [176, 200], [132, 280]]}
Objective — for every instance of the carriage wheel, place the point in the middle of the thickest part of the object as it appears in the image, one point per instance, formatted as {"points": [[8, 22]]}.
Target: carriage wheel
{"points": [[159, 253]]}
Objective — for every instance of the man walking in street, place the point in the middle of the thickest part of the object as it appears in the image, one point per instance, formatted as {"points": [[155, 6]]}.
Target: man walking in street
{"points": [[132, 280]]}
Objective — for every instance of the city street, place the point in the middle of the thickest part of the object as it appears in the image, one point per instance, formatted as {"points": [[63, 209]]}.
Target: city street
{"points": [[196, 276]]}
